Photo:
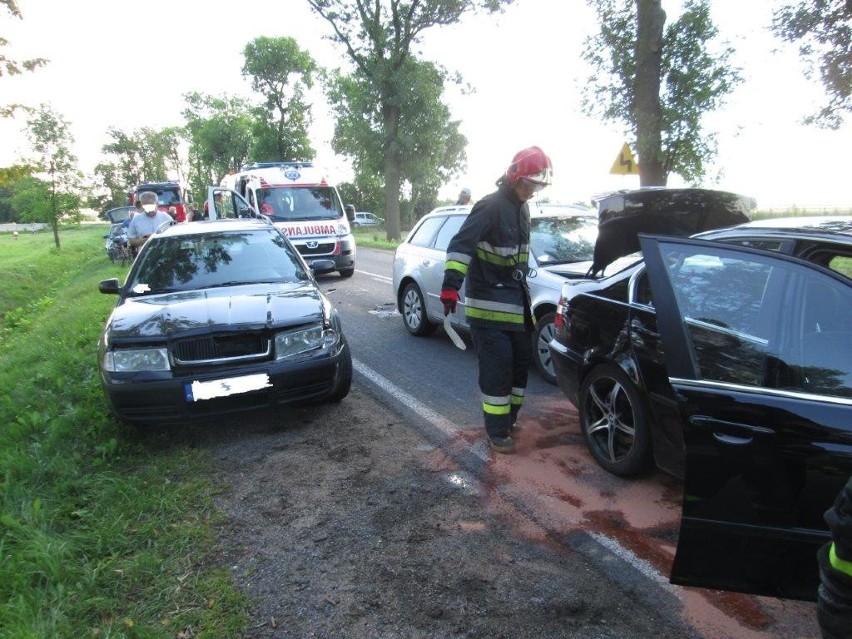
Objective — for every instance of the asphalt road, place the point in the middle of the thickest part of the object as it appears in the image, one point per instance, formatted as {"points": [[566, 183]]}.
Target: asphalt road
{"points": [[629, 526]]}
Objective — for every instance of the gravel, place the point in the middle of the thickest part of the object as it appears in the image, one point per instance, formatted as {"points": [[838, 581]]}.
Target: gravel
{"points": [[344, 521]]}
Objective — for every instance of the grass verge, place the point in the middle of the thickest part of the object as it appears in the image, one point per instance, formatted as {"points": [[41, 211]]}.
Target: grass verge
{"points": [[374, 238], [100, 535]]}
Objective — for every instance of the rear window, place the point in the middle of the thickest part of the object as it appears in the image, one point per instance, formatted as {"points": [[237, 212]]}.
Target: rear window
{"points": [[166, 195]]}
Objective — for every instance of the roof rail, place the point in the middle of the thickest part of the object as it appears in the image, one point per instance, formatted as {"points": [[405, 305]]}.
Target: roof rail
{"points": [[296, 164]]}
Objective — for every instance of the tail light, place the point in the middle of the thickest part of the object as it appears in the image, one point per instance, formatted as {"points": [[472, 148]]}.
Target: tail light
{"points": [[560, 321]]}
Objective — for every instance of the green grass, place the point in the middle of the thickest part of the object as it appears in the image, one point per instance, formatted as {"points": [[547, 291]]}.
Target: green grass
{"points": [[101, 533], [374, 238]]}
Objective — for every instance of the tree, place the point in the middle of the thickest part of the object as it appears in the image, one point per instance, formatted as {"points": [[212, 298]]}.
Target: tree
{"points": [[659, 82], [823, 29], [144, 155], [9, 66], [283, 74], [377, 36], [431, 146], [220, 137], [51, 140]]}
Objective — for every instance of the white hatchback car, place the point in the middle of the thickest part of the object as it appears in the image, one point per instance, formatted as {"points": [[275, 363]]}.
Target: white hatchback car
{"points": [[366, 219], [562, 242]]}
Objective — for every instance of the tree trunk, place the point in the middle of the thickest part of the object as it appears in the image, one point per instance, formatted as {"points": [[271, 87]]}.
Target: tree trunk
{"points": [[392, 172], [54, 219], [648, 113]]}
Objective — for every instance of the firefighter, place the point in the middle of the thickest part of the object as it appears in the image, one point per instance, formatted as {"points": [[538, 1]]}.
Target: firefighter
{"points": [[491, 251], [834, 605]]}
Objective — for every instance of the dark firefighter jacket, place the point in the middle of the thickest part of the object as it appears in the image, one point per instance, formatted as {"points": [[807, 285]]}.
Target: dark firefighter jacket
{"points": [[834, 602], [491, 252]]}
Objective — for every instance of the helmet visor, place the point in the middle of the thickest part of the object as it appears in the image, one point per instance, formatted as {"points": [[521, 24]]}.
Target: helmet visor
{"points": [[534, 187], [542, 178]]}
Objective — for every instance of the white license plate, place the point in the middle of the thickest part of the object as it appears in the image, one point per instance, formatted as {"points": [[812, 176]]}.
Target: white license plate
{"points": [[197, 391]]}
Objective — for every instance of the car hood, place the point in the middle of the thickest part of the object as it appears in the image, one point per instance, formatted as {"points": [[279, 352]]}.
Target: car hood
{"points": [[211, 310], [583, 270], [678, 212], [574, 270]]}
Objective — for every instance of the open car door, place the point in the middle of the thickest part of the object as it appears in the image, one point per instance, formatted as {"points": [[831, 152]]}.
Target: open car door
{"points": [[225, 203], [758, 350]]}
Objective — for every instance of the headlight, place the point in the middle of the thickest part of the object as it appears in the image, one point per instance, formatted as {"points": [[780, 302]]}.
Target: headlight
{"points": [[293, 343], [136, 360]]}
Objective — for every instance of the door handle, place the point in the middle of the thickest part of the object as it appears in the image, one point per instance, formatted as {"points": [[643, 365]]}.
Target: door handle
{"points": [[724, 431], [731, 439]]}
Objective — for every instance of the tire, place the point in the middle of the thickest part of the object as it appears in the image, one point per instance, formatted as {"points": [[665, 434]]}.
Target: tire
{"points": [[344, 380], [414, 311], [613, 419], [541, 351], [346, 273]]}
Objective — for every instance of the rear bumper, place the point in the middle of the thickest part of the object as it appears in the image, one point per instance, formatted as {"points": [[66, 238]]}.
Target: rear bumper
{"points": [[567, 365]]}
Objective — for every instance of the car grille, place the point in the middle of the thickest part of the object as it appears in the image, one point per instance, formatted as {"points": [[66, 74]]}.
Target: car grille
{"points": [[217, 349], [322, 248]]}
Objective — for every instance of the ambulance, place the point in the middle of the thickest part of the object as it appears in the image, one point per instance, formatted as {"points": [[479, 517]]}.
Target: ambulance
{"points": [[297, 198]]}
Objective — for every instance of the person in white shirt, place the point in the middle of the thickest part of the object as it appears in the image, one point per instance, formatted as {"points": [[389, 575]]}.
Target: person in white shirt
{"points": [[143, 226]]}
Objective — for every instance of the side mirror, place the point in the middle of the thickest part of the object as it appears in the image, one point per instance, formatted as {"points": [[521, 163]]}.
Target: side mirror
{"points": [[321, 267], [110, 286]]}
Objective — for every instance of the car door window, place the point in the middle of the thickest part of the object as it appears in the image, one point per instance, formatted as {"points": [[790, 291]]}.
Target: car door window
{"points": [[425, 233], [448, 231], [765, 323], [842, 264]]}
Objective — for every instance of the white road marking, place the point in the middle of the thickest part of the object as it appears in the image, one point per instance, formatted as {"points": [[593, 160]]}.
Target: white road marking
{"points": [[384, 278], [638, 563], [479, 449], [436, 419]]}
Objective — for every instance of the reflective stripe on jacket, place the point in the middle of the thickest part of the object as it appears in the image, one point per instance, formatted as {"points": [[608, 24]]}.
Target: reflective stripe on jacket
{"points": [[490, 252]]}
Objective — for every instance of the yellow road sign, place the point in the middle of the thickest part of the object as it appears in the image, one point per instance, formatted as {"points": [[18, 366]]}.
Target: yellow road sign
{"points": [[625, 163]]}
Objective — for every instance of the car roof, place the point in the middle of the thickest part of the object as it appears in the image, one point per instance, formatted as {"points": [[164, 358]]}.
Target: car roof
{"points": [[216, 226], [835, 228], [537, 209]]}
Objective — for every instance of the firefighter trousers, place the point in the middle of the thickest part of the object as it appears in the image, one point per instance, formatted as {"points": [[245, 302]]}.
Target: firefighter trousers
{"points": [[504, 362]]}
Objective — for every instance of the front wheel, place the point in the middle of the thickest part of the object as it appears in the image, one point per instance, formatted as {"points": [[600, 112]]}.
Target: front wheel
{"points": [[414, 312], [544, 331], [344, 375], [614, 422]]}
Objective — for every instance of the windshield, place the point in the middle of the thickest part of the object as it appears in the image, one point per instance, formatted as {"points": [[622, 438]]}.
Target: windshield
{"points": [[562, 240], [287, 203], [189, 262]]}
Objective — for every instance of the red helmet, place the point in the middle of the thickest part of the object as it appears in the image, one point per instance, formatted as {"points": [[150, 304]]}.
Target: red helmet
{"points": [[532, 164]]}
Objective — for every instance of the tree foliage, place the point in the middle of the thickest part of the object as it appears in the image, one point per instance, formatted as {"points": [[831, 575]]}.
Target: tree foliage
{"points": [[660, 103], [282, 74], [51, 140], [823, 31], [143, 155], [9, 177], [220, 136], [377, 37], [431, 146], [10, 66]]}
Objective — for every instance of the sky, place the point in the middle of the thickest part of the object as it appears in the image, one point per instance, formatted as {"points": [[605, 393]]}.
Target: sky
{"points": [[114, 65]]}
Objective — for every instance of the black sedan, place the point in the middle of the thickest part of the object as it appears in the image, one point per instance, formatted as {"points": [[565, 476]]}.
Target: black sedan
{"points": [[725, 358], [217, 317]]}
